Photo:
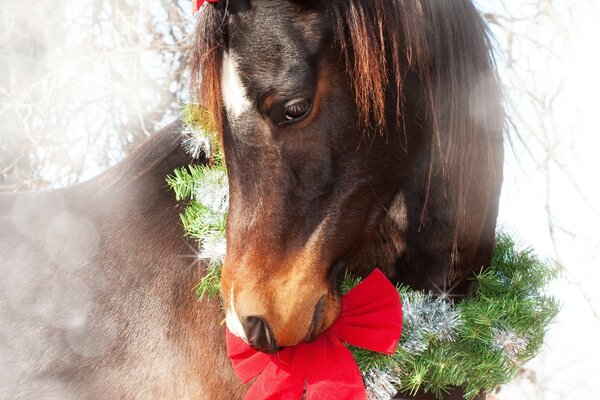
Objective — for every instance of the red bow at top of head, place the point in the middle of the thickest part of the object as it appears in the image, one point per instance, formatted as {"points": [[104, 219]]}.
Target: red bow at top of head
{"points": [[196, 4], [371, 318]]}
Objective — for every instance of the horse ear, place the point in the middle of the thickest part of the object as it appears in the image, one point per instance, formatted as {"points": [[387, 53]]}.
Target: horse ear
{"points": [[233, 6]]}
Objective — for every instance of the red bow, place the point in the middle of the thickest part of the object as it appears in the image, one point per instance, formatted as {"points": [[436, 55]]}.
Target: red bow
{"points": [[371, 318], [196, 4]]}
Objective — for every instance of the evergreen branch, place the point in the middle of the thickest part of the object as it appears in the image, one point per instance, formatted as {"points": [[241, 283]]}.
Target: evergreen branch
{"points": [[209, 285]]}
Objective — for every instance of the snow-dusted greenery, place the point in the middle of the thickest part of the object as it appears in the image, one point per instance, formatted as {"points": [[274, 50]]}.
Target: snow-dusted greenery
{"points": [[477, 343]]}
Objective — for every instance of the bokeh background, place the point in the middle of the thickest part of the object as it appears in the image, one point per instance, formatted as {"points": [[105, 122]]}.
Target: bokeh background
{"points": [[82, 82]]}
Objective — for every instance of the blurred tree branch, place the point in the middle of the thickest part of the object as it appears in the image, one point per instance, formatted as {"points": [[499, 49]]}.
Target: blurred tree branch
{"points": [[82, 81]]}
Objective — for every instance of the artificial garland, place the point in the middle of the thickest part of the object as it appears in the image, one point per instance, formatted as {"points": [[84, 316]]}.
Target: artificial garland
{"points": [[477, 344]]}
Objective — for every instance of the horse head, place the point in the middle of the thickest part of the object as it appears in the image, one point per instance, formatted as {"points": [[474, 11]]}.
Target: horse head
{"points": [[322, 112]]}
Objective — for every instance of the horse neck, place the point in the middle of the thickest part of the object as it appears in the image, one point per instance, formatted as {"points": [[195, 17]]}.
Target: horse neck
{"points": [[138, 276], [138, 216]]}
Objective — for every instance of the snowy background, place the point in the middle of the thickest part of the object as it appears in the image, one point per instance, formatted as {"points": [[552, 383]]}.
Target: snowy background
{"points": [[82, 81], [551, 193]]}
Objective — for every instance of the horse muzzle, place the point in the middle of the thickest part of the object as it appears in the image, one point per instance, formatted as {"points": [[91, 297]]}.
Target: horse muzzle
{"points": [[271, 316]]}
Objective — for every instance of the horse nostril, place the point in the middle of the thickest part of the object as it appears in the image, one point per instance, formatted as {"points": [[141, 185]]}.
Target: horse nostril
{"points": [[259, 334], [316, 323]]}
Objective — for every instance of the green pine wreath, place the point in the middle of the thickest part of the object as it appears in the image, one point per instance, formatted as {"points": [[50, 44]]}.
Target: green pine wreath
{"points": [[477, 344]]}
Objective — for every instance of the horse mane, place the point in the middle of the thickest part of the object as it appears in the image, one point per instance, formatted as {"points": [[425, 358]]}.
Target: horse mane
{"points": [[151, 157], [444, 42]]}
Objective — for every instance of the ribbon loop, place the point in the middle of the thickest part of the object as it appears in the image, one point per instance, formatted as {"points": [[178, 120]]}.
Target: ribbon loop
{"points": [[371, 315]]}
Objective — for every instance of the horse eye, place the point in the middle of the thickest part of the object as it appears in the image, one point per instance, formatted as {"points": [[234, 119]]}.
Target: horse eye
{"points": [[297, 109]]}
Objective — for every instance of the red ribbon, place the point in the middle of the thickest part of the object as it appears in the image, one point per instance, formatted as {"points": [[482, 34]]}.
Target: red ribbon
{"points": [[196, 4], [371, 318]]}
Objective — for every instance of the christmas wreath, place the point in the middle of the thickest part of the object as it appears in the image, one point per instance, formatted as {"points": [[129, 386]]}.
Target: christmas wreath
{"points": [[477, 344]]}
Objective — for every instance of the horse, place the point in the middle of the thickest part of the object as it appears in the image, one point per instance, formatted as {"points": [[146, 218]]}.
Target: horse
{"points": [[357, 134]]}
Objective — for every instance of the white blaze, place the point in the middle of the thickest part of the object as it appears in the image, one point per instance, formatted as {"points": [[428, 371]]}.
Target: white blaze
{"points": [[234, 93], [233, 321]]}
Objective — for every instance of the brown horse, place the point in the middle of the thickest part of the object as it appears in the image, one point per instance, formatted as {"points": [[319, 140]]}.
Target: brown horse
{"points": [[358, 134]]}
